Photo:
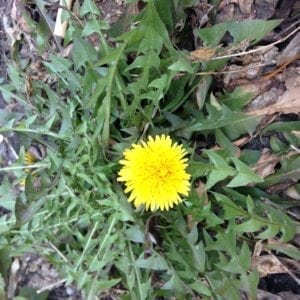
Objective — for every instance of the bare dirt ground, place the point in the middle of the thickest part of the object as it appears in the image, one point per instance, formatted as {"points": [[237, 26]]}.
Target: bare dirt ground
{"points": [[276, 87]]}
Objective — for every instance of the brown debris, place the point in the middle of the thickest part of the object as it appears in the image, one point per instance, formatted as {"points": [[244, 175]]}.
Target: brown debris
{"points": [[265, 9], [265, 166], [270, 264], [245, 6], [279, 187], [288, 102], [242, 141], [291, 52], [201, 191], [292, 193], [203, 54], [31, 270]]}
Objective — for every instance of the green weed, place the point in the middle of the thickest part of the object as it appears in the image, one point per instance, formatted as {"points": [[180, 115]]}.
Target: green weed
{"points": [[97, 102]]}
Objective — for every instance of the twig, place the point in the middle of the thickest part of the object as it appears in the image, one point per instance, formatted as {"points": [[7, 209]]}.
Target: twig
{"points": [[35, 166], [295, 148], [287, 269], [59, 253], [11, 148], [51, 286], [234, 71]]}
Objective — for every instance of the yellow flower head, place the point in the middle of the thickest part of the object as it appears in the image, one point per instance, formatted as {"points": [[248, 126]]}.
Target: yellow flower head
{"points": [[155, 173]]}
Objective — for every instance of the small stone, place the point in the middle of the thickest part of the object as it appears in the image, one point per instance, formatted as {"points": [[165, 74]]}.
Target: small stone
{"points": [[69, 291]]}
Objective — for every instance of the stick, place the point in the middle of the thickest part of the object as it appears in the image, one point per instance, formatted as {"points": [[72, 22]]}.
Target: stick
{"points": [[61, 27]]}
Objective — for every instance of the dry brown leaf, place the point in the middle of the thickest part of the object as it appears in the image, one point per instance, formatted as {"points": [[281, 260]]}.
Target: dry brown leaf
{"points": [[264, 295], [203, 54], [267, 264], [245, 6], [258, 248], [242, 141], [190, 222], [265, 166], [278, 188], [18, 17], [265, 9], [201, 191], [289, 102], [292, 50], [270, 264]]}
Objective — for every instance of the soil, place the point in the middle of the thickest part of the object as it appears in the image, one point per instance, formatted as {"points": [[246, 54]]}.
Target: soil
{"points": [[31, 270]]}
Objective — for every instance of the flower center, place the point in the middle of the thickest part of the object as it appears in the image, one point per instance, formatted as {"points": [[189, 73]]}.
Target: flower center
{"points": [[162, 173]]}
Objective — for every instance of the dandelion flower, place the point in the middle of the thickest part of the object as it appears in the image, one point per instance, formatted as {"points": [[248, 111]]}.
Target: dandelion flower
{"points": [[29, 159], [155, 174]]}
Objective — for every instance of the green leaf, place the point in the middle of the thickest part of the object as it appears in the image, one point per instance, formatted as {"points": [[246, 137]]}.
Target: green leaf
{"points": [[175, 284], [159, 83], [234, 123], [143, 61], [251, 225], [94, 26], [182, 65], [106, 284], [202, 90], [231, 209], [245, 175], [176, 94], [199, 257], [225, 143], [201, 288], [250, 205], [7, 198], [216, 176], [249, 283], [212, 36], [288, 228], [221, 171], [198, 169], [270, 232], [237, 99], [154, 262], [245, 257], [82, 52], [35, 200], [212, 220], [167, 13], [236, 129], [152, 40], [25, 211], [154, 20], [254, 30], [89, 6], [5, 224], [282, 126], [286, 249], [218, 161], [135, 234]]}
